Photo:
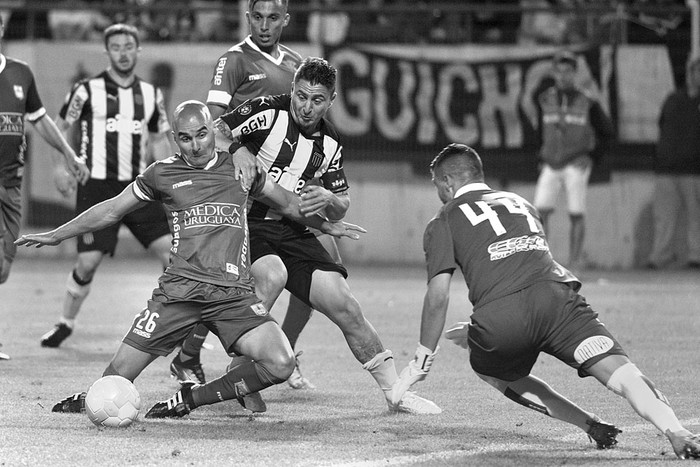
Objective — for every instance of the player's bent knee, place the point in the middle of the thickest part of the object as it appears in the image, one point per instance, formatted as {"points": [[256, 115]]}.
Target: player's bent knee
{"points": [[277, 370]]}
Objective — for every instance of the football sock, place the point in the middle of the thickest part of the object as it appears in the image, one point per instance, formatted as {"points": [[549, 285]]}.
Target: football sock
{"points": [[192, 344], [298, 314], [77, 290], [68, 322], [537, 395], [650, 403], [383, 369], [244, 378]]}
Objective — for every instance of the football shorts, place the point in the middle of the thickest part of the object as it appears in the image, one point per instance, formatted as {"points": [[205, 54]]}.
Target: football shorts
{"points": [[298, 248], [179, 304], [507, 334], [10, 217], [146, 224]]}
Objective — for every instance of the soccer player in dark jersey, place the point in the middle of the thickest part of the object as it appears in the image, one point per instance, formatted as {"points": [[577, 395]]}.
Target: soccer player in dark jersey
{"points": [[294, 144], [122, 124], [208, 279], [19, 100], [524, 303], [258, 66]]}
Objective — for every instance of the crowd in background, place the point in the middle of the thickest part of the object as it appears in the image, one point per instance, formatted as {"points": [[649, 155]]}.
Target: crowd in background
{"points": [[335, 21]]}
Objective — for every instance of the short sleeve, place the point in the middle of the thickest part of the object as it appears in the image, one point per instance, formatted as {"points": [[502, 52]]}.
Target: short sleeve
{"points": [[75, 102], [438, 247], [144, 186]]}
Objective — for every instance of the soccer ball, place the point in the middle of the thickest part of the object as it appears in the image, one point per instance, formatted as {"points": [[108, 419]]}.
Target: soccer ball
{"points": [[112, 401]]}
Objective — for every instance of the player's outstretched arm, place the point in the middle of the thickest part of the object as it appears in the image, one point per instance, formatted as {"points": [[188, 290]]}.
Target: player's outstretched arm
{"points": [[97, 217], [432, 323], [287, 203]]}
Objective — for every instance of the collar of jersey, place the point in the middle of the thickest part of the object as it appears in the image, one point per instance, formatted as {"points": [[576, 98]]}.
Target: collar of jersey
{"points": [[3, 62], [471, 187], [209, 165], [276, 61]]}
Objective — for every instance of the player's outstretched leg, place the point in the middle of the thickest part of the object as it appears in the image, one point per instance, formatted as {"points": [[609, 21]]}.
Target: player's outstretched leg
{"points": [[330, 294], [535, 394], [622, 377]]}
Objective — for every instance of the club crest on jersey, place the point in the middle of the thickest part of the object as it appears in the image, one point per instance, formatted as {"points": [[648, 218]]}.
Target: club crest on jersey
{"points": [[316, 159], [19, 91], [245, 109]]}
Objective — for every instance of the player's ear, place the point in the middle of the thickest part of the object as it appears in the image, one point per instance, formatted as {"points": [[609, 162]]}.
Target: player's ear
{"points": [[286, 20]]}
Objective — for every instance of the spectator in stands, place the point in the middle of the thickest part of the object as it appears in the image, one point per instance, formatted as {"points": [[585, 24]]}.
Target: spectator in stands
{"points": [[677, 167], [540, 25], [576, 131]]}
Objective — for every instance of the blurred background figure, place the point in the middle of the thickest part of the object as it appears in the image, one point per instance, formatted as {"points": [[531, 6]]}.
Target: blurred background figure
{"points": [[327, 26], [677, 169], [575, 132]]}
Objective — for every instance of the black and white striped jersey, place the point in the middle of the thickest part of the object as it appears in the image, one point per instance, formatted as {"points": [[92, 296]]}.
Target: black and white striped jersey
{"points": [[115, 123], [292, 159]]}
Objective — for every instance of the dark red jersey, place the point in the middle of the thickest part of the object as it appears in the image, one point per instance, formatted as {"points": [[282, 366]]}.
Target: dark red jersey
{"points": [[18, 98], [496, 239], [206, 209]]}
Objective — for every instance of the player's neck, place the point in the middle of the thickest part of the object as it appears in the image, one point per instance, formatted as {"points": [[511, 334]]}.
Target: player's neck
{"points": [[123, 80]]}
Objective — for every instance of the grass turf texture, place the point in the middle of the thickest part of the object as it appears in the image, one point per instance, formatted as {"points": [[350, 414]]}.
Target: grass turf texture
{"points": [[345, 421]]}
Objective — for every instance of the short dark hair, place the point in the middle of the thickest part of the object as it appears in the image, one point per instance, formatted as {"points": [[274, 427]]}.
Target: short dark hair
{"points": [[251, 3], [460, 159], [316, 70], [566, 57], [121, 28]]}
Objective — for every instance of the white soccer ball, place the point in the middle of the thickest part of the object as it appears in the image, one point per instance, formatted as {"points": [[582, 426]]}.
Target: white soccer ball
{"points": [[112, 401]]}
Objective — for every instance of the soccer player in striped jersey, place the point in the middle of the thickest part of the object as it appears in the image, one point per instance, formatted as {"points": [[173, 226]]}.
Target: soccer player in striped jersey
{"points": [[122, 123], [524, 303], [294, 144], [20, 101], [258, 66], [208, 279]]}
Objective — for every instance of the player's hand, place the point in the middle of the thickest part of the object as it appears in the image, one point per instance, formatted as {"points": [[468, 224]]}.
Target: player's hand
{"points": [[342, 229], [79, 169], [245, 166], [37, 240], [65, 182], [416, 371], [314, 200], [458, 334]]}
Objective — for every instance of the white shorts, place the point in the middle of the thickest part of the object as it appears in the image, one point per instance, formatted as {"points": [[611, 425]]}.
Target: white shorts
{"points": [[572, 177]]}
